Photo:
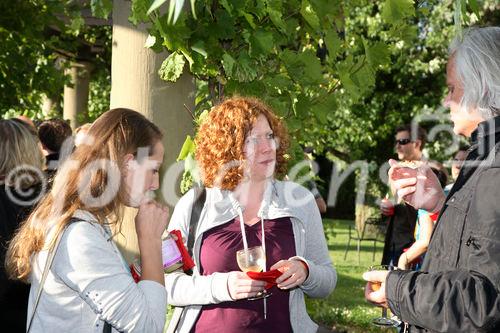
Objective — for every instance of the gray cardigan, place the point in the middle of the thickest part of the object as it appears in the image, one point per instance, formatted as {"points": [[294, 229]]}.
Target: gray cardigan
{"points": [[283, 199], [89, 283]]}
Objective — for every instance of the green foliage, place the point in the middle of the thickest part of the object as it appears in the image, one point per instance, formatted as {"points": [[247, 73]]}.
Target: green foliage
{"points": [[342, 74], [27, 54], [306, 58], [99, 94], [38, 44], [101, 8]]}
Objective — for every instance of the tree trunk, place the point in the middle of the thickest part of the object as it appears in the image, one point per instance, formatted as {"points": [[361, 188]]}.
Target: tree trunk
{"points": [[136, 85]]}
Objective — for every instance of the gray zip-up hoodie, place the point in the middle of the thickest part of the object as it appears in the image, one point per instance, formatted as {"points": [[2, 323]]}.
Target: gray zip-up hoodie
{"points": [[281, 199], [89, 283]]}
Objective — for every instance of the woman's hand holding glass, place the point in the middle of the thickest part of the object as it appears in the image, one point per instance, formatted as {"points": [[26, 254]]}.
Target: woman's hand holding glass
{"points": [[295, 272], [241, 286]]}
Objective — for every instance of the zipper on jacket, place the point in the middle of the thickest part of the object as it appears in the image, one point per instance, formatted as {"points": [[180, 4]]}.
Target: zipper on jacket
{"points": [[472, 241]]}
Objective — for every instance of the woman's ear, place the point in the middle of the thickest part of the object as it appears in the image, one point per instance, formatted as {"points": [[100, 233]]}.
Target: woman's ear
{"points": [[128, 162]]}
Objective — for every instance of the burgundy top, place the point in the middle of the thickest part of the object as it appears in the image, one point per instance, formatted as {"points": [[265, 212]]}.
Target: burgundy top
{"points": [[218, 254]]}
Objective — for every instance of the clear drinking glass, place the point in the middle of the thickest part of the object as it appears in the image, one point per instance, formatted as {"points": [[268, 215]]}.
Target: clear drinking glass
{"points": [[253, 259], [383, 321]]}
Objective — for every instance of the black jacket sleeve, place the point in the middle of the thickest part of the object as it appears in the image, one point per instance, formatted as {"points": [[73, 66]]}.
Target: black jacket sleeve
{"points": [[454, 301]]}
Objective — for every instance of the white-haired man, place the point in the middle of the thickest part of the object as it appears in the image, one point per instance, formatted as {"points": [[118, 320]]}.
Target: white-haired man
{"points": [[457, 289]]}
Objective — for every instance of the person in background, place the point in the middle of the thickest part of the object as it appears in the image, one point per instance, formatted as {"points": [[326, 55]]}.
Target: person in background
{"points": [[20, 190], [53, 133], [458, 286], [456, 165], [413, 256], [89, 286], [311, 184], [28, 121], [240, 149], [402, 218]]}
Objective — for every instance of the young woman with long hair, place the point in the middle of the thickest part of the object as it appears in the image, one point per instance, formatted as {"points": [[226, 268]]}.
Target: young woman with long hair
{"points": [[89, 286]]}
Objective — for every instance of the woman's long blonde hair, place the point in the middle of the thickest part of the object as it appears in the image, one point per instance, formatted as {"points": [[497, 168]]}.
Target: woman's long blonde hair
{"points": [[19, 150], [113, 135]]}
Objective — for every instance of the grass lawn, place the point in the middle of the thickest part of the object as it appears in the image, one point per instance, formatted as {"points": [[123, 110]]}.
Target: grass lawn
{"points": [[346, 308]]}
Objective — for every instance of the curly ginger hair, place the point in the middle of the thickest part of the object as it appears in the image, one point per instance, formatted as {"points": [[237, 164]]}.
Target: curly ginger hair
{"points": [[221, 139]]}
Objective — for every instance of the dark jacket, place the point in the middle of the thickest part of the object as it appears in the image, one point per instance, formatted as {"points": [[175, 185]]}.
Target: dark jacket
{"points": [[13, 294], [400, 233], [457, 289]]}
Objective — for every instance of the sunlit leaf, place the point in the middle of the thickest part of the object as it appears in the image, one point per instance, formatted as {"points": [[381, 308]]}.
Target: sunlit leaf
{"points": [[155, 5], [187, 147], [199, 47], [150, 41], [172, 67]]}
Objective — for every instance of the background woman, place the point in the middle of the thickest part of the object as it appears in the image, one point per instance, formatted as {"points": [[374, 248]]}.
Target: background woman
{"points": [[240, 150], [19, 150], [89, 283]]}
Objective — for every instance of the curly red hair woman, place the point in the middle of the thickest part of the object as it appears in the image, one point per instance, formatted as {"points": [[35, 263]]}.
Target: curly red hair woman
{"points": [[221, 139], [241, 149]]}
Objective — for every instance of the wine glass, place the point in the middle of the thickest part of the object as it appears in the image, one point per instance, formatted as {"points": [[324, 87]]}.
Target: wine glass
{"points": [[253, 259], [383, 321]]}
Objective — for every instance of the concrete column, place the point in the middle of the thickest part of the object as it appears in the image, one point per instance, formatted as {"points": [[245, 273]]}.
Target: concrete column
{"points": [[76, 97], [136, 85]]}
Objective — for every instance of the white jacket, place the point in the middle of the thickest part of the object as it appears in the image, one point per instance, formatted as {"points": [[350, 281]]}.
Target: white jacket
{"points": [[281, 199], [89, 283]]}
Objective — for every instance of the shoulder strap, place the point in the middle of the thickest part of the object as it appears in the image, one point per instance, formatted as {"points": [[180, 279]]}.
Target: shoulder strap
{"points": [[199, 201], [50, 258], [200, 196], [48, 264]]}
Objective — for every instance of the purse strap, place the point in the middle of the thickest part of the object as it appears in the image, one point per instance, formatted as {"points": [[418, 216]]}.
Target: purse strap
{"points": [[50, 259], [199, 201], [200, 196]]}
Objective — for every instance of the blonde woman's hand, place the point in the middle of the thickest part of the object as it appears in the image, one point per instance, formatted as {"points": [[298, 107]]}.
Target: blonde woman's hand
{"points": [[295, 272], [151, 220], [241, 286]]}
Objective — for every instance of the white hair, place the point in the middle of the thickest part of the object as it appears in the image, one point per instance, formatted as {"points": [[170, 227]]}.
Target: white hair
{"points": [[477, 64]]}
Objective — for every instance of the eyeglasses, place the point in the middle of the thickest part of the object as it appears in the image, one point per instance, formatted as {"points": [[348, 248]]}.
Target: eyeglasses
{"points": [[402, 142]]}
